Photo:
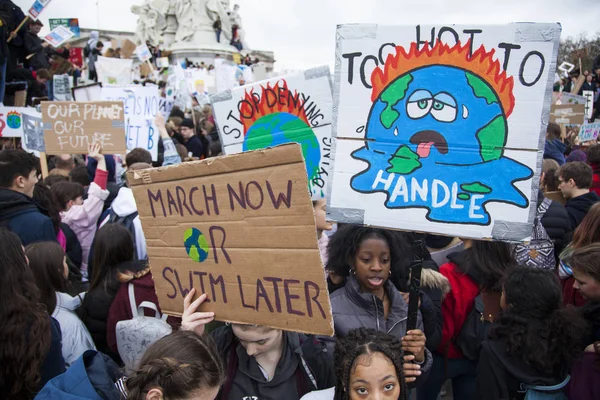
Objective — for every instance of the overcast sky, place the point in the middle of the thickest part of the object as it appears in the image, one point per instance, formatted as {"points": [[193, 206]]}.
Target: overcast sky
{"points": [[302, 32]]}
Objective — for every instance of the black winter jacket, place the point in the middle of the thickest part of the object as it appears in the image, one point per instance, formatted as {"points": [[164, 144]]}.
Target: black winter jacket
{"points": [[578, 207], [96, 305], [500, 374], [557, 225], [21, 215], [314, 372], [33, 45]]}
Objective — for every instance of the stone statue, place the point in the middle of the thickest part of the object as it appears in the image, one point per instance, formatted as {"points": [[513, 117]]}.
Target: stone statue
{"points": [[152, 21], [185, 20]]}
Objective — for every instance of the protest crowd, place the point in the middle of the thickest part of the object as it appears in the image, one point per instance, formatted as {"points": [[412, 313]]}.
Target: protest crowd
{"points": [[80, 308]]}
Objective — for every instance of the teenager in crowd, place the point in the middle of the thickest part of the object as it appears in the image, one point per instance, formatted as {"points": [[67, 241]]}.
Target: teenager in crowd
{"points": [[587, 233], [113, 254], [30, 338], [49, 265], [575, 183], [82, 216], [262, 362], [585, 373], [479, 268], [18, 212], [534, 339], [120, 309], [320, 207], [368, 364], [368, 257], [182, 366]]}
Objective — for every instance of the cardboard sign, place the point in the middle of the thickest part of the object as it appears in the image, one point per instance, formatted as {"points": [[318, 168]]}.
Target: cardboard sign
{"points": [[58, 36], [567, 114], [11, 121], [567, 98], [439, 129], [92, 92], [114, 71], [589, 132], [127, 48], [70, 126], [36, 8], [241, 229], [143, 52], [589, 103], [70, 23], [61, 88], [291, 109], [141, 105]]}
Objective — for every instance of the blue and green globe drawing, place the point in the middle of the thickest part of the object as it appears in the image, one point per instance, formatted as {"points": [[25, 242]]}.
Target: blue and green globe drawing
{"points": [[196, 244], [281, 128]]}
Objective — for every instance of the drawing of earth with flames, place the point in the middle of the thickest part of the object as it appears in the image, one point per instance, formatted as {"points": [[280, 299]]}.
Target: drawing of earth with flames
{"points": [[281, 128]]}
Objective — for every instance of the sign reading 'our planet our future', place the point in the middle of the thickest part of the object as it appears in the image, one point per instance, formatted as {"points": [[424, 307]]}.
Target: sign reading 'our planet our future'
{"points": [[239, 228], [439, 128], [295, 108]]}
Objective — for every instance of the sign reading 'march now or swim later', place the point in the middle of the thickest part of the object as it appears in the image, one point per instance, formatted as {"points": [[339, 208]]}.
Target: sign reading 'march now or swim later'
{"points": [[293, 108], [441, 128], [239, 228]]}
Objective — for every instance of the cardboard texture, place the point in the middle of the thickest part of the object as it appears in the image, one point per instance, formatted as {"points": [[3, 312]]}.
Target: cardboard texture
{"points": [[439, 129], [70, 126], [568, 114], [589, 131], [578, 84], [141, 105], [20, 98], [294, 108], [11, 121], [127, 48], [240, 228]]}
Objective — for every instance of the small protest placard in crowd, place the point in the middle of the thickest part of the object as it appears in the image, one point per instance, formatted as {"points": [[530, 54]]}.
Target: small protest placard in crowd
{"points": [[589, 131], [70, 23], [61, 88], [294, 108], [69, 126], [33, 131], [143, 52], [141, 105], [58, 36], [566, 98], [441, 136], [567, 114], [36, 8], [241, 229], [114, 71], [589, 103], [11, 121]]}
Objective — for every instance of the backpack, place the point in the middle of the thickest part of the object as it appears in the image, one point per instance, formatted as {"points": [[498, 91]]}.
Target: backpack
{"points": [[555, 392], [87, 50], [475, 328], [135, 335], [539, 253], [127, 222]]}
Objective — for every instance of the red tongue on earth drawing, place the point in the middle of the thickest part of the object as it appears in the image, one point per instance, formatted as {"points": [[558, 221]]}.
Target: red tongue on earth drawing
{"points": [[424, 148]]}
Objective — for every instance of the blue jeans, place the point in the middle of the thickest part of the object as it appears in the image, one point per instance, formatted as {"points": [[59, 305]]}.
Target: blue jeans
{"points": [[462, 372]]}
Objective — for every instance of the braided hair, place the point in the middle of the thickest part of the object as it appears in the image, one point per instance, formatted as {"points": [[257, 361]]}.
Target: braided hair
{"points": [[365, 341], [178, 364]]}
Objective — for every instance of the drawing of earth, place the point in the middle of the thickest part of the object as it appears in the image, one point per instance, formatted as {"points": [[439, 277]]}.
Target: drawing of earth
{"points": [[281, 128], [195, 244]]}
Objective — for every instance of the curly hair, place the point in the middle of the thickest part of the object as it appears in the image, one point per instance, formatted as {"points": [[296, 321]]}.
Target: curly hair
{"points": [[344, 245], [178, 364], [535, 326], [361, 342], [25, 328]]}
